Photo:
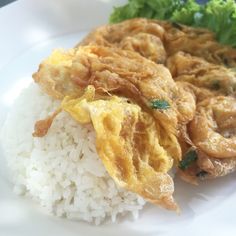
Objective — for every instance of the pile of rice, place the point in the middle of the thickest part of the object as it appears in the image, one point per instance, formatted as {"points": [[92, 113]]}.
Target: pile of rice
{"points": [[61, 170]]}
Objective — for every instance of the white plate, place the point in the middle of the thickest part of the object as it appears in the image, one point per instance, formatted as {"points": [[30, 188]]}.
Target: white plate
{"points": [[29, 30]]}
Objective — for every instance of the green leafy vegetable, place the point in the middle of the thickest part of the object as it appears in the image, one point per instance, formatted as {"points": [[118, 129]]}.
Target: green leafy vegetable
{"points": [[218, 16], [189, 158], [128, 11], [159, 9], [163, 9], [186, 14], [160, 104]]}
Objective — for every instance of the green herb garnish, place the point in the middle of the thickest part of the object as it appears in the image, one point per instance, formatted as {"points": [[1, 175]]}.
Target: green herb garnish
{"points": [[189, 158], [219, 16], [160, 104]]}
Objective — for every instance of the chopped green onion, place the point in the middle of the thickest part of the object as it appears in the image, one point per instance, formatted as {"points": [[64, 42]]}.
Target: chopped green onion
{"points": [[189, 158], [160, 104]]}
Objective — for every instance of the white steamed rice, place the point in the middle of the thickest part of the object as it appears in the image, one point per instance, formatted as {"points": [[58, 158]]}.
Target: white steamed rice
{"points": [[61, 170]]}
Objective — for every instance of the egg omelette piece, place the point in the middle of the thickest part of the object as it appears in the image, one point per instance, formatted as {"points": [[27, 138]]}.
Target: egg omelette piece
{"points": [[127, 141]]}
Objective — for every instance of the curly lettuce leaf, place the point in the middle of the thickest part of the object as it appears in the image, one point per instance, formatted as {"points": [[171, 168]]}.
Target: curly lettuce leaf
{"points": [[186, 14], [159, 9], [128, 11], [163, 9], [219, 16]]}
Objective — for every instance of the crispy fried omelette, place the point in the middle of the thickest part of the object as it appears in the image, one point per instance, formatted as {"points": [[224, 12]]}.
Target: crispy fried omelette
{"points": [[156, 94]]}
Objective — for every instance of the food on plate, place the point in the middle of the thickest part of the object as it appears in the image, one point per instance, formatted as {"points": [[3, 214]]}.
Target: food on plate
{"points": [[120, 110], [195, 74], [196, 78], [113, 70]]}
